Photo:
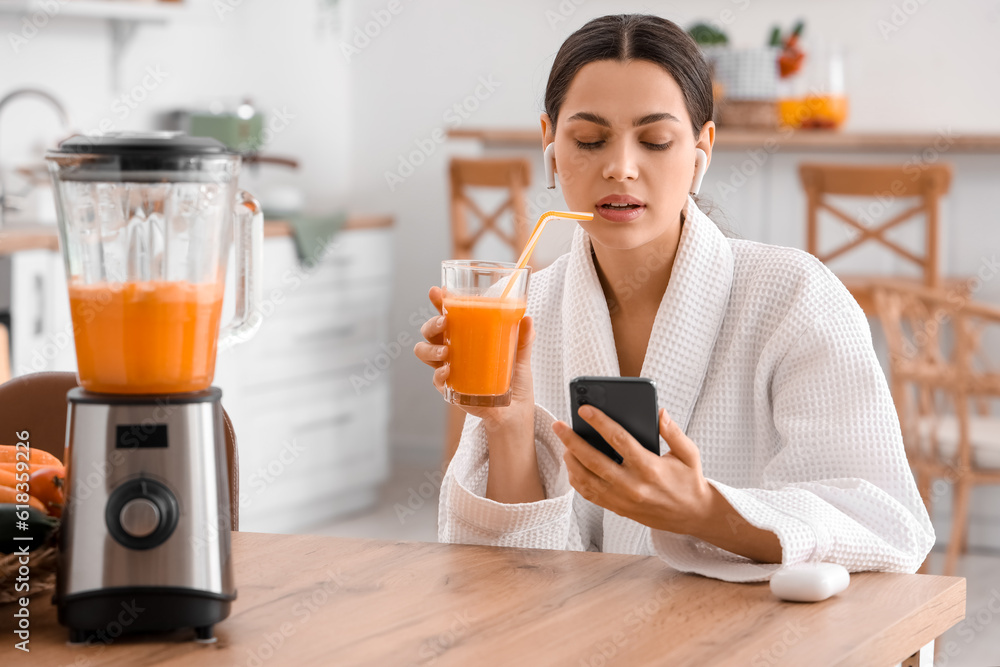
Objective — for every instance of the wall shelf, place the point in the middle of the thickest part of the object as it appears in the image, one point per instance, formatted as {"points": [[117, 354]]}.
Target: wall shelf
{"points": [[123, 19], [801, 140]]}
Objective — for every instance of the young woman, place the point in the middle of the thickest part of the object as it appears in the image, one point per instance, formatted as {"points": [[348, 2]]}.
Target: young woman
{"points": [[780, 442]]}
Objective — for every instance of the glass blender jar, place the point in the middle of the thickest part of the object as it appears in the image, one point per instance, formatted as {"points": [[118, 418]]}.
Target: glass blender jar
{"points": [[145, 229]]}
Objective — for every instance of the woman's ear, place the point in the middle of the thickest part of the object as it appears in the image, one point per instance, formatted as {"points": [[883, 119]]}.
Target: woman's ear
{"points": [[706, 139], [548, 151], [548, 130], [703, 155]]}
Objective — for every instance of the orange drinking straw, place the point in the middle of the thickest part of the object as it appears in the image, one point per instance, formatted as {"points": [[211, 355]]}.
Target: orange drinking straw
{"points": [[529, 247]]}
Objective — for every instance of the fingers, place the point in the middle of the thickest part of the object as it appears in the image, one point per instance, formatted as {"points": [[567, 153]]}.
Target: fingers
{"points": [[436, 295], [434, 352], [681, 446], [433, 328], [593, 460], [440, 376], [581, 478], [614, 433], [432, 355]]}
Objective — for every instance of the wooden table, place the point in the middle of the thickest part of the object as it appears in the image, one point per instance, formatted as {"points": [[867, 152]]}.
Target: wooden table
{"points": [[308, 600]]}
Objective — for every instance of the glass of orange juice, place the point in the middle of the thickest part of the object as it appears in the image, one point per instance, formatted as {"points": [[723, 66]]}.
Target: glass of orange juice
{"points": [[481, 329]]}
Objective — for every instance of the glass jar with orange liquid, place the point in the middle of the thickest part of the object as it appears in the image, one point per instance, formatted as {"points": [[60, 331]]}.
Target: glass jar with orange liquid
{"points": [[146, 223], [815, 98]]}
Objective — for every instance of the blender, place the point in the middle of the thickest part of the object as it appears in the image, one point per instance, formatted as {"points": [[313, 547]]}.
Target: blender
{"points": [[146, 223]]}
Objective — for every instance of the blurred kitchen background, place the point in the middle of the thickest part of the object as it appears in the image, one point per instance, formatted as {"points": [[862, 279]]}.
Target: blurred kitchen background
{"points": [[356, 116]]}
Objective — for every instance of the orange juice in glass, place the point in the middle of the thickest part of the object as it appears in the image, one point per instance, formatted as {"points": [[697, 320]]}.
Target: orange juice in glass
{"points": [[145, 337], [481, 329]]}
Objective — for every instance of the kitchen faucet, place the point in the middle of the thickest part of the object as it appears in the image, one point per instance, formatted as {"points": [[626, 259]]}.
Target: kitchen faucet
{"points": [[8, 202]]}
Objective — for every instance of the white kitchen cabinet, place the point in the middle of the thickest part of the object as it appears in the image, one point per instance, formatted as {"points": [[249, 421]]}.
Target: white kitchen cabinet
{"points": [[313, 443]]}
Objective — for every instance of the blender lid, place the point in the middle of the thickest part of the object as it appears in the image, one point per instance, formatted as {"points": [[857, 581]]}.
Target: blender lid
{"points": [[146, 144], [143, 157]]}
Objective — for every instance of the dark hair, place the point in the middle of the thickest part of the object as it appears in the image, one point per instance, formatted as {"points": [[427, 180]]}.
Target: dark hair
{"points": [[635, 37]]}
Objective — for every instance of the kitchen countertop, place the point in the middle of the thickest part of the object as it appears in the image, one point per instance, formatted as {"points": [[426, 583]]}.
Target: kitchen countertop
{"points": [[316, 600], [805, 140], [45, 237]]}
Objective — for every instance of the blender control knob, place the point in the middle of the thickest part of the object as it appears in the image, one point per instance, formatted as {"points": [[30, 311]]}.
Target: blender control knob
{"points": [[139, 517], [141, 513]]}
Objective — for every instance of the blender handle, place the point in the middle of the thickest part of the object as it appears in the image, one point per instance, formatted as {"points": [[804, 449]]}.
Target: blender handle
{"points": [[248, 246]]}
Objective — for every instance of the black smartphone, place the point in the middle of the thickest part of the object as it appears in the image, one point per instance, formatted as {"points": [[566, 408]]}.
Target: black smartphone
{"points": [[629, 401]]}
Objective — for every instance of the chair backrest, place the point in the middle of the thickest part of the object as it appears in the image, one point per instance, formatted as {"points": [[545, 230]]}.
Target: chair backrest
{"points": [[510, 174], [933, 342], [928, 184], [37, 403]]}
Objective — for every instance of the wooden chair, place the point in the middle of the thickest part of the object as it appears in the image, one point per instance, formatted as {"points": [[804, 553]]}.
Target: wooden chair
{"points": [[4, 354], [37, 403], [512, 175], [897, 182], [937, 379]]}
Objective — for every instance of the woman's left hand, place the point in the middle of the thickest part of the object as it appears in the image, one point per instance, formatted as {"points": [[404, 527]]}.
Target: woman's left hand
{"points": [[665, 492]]}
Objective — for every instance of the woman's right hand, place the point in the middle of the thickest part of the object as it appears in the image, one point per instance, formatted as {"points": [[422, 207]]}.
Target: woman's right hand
{"points": [[434, 353]]}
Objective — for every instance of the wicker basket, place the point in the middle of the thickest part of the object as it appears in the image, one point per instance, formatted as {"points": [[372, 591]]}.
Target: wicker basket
{"points": [[756, 114], [43, 571]]}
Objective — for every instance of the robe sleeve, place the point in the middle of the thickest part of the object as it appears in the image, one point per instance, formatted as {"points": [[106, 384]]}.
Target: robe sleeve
{"points": [[838, 487], [564, 520]]}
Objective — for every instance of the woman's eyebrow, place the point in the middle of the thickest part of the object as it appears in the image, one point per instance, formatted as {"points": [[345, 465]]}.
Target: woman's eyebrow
{"points": [[654, 117], [644, 120]]}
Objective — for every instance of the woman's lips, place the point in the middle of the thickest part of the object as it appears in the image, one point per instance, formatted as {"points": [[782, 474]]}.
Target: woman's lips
{"points": [[627, 213], [620, 208]]}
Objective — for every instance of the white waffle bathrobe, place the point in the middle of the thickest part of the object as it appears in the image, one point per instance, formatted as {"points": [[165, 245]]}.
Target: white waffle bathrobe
{"points": [[765, 360]]}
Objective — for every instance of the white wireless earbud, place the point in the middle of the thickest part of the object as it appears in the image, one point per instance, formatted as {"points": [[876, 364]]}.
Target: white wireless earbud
{"points": [[700, 167], [550, 165]]}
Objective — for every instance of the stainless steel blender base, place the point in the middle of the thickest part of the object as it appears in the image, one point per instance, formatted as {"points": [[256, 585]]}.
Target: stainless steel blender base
{"points": [[145, 539]]}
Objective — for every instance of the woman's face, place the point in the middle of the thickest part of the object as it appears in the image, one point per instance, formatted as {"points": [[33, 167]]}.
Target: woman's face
{"points": [[625, 150]]}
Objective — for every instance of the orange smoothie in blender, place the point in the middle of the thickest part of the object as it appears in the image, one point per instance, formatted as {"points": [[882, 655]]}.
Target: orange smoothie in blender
{"points": [[146, 337], [481, 333]]}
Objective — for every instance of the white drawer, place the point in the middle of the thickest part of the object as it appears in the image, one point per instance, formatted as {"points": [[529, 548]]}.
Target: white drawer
{"points": [[354, 255], [322, 395], [335, 302], [349, 327], [358, 254], [308, 451], [280, 373]]}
